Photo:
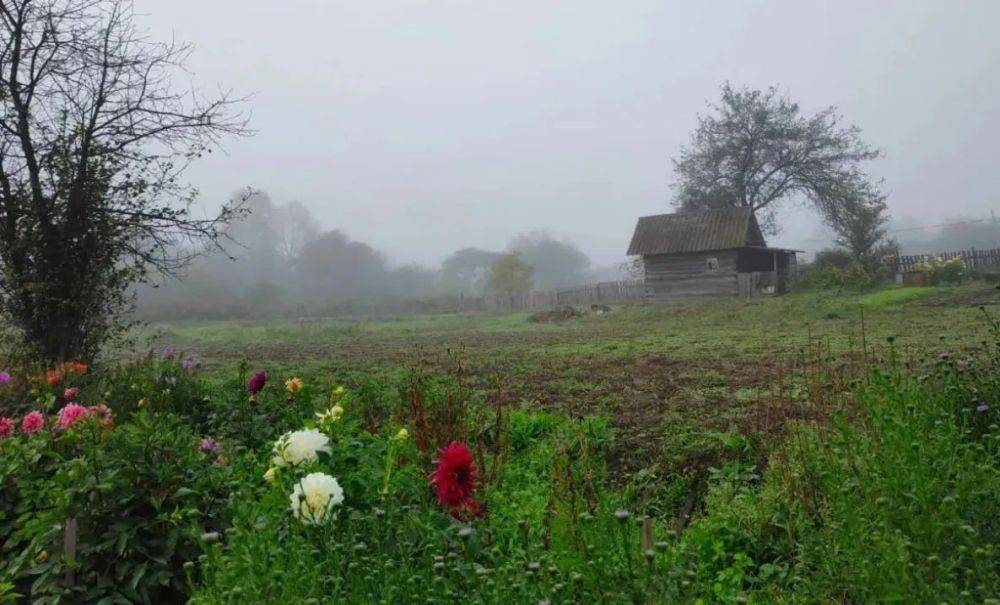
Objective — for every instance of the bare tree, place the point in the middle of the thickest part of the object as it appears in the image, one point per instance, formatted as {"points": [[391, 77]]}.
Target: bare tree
{"points": [[93, 139], [755, 150]]}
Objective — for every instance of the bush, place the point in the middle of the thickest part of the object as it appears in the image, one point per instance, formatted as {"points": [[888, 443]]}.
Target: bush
{"points": [[940, 271], [140, 495], [837, 258], [853, 276]]}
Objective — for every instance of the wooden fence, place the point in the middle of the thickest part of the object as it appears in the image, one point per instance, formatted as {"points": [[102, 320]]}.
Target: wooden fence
{"points": [[599, 293], [974, 260], [602, 293]]}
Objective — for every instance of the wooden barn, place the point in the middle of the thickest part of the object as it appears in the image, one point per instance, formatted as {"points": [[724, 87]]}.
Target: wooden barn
{"points": [[712, 253]]}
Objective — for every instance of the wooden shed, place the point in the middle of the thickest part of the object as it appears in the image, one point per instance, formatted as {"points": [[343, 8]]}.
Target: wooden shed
{"points": [[711, 253]]}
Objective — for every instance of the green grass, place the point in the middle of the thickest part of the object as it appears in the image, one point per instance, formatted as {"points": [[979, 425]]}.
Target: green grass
{"points": [[891, 296], [715, 363], [706, 452]]}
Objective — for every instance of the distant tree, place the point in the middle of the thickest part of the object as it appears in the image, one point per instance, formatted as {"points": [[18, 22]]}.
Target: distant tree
{"points": [[510, 275], [955, 233], [93, 139], [255, 244], [556, 263], [294, 227], [754, 150], [468, 269], [334, 264], [411, 281]]}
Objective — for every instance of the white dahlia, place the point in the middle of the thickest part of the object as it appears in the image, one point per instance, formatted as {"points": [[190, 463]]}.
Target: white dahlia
{"points": [[298, 447], [314, 497]]}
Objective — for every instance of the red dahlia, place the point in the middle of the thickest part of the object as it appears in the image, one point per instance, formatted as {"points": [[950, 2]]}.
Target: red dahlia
{"points": [[455, 479], [256, 383]]}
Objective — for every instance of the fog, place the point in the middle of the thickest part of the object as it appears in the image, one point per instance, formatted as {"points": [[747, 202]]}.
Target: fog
{"points": [[423, 128]]}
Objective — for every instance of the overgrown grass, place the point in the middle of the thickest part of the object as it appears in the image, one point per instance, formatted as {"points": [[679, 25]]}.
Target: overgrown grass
{"points": [[840, 478]]}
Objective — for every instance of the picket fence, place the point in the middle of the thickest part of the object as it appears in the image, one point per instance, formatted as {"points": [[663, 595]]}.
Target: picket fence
{"points": [[974, 260]]}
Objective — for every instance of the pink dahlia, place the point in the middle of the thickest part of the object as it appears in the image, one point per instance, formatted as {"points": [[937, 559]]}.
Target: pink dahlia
{"points": [[72, 414], [209, 445], [71, 394], [32, 422], [6, 427], [103, 414]]}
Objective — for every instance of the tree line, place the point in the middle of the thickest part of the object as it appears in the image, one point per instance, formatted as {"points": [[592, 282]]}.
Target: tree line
{"points": [[279, 263]]}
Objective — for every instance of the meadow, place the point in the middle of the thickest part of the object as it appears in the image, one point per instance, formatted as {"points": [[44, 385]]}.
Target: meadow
{"points": [[822, 447], [656, 371]]}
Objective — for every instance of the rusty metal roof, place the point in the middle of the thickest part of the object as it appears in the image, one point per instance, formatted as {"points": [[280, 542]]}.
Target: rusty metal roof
{"points": [[695, 232]]}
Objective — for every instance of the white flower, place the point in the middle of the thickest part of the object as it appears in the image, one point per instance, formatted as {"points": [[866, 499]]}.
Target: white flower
{"points": [[271, 475], [314, 497], [298, 447], [332, 415]]}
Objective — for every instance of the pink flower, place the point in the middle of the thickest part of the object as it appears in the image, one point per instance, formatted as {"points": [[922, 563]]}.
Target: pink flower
{"points": [[6, 427], [209, 445], [72, 414], [32, 422], [103, 413], [4, 377], [71, 394]]}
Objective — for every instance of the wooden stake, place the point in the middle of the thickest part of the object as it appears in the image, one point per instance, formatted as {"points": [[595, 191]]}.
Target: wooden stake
{"points": [[69, 550]]}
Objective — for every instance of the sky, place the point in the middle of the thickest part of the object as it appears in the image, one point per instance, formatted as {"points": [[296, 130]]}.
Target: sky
{"points": [[422, 127]]}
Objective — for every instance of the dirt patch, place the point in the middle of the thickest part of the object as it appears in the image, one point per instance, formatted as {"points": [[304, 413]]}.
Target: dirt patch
{"points": [[560, 313]]}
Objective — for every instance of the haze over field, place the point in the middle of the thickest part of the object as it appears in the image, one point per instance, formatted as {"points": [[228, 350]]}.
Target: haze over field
{"points": [[425, 127]]}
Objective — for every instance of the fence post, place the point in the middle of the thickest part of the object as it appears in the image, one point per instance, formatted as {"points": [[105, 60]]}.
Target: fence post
{"points": [[69, 550]]}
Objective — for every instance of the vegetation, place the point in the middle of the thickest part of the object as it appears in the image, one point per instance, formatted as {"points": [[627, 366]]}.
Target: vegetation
{"points": [[755, 150], [853, 472], [511, 276], [93, 139], [283, 265], [939, 271]]}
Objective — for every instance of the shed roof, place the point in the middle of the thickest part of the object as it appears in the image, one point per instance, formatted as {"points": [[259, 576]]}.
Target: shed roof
{"points": [[696, 232]]}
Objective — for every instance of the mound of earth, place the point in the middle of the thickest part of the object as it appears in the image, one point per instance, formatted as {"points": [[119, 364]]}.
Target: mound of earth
{"points": [[560, 313]]}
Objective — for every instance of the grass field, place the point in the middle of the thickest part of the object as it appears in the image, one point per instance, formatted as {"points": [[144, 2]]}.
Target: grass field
{"points": [[814, 448], [658, 371]]}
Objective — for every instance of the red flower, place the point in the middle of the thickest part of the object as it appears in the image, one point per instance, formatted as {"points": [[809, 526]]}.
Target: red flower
{"points": [[256, 383], [455, 480], [53, 377]]}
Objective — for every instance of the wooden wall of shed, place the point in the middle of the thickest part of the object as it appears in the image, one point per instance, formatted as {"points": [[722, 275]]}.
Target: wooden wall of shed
{"points": [[670, 276]]}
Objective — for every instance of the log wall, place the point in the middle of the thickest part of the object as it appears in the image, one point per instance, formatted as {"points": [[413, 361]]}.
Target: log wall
{"points": [[672, 276]]}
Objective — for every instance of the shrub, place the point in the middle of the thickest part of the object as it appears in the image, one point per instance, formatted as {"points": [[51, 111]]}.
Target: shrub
{"points": [[940, 271], [140, 496], [837, 258]]}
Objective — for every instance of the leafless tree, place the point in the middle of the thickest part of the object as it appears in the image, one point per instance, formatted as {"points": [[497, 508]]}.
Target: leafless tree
{"points": [[93, 140]]}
